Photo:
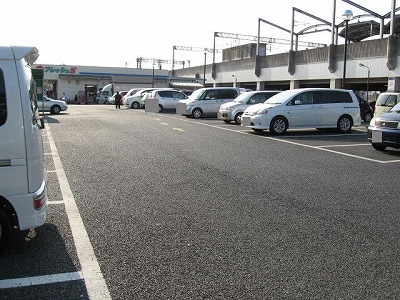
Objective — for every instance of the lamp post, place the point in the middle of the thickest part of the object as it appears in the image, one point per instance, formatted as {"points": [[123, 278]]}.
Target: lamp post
{"points": [[347, 16], [235, 80], [152, 85], [369, 72], [205, 63]]}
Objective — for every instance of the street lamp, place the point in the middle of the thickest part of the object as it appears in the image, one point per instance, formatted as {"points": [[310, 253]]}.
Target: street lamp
{"points": [[362, 65], [152, 85], [205, 63], [347, 16], [235, 80]]}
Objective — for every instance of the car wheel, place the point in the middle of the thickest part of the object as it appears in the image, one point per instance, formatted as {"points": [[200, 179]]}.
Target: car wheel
{"points": [[55, 110], [5, 230], [135, 105], [160, 108], [379, 147], [344, 124], [278, 125], [238, 118], [367, 117], [197, 113], [258, 130]]}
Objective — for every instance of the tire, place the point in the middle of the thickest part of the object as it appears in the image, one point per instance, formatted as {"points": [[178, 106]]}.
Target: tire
{"points": [[344, 124], [379, 147], [278, 125], [55, 110], [5, 230], [238, 118], [257, 130], [135, 105], [367, 117], [197, 113], [160, 108]]}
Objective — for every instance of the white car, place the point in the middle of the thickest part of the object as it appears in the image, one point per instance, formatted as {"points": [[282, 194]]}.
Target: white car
{"points": [[134, 100], [167, 98], [305, 108], [232, 111], [51, 105]]}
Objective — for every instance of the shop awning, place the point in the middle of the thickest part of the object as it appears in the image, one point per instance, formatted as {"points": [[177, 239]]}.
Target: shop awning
{"points": [[99, 77], [186, 85]]}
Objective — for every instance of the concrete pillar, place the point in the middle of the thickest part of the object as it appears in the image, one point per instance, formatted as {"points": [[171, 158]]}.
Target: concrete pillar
{"points": [[294, 84], [260, 85], [335, 83]]}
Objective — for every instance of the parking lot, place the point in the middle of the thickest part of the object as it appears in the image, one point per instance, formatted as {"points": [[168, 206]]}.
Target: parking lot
{"points": [[160, 206]]}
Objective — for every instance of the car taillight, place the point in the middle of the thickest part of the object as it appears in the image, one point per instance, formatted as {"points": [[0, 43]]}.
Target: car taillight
{"points": [[39, 200]]}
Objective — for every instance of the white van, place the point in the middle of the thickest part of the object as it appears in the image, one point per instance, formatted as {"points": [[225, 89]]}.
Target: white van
{"points": [[23, 198], [207, 101], [385, 102], [305, 108]]}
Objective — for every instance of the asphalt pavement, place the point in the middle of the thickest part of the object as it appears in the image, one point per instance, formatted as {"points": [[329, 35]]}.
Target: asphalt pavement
{"points": [[160, 206]]}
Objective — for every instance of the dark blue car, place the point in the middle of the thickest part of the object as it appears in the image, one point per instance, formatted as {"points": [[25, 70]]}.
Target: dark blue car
{"points": [[384, 129]]}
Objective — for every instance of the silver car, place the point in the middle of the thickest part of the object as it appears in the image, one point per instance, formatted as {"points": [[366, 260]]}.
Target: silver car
{"points": [[232, 111], [51, 105]]}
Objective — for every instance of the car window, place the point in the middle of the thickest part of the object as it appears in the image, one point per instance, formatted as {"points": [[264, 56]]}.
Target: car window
{"points": [[165, 94], [303, 98], [386, 100], [211, 95], [178, 95], [258, 98], [228, 94]]}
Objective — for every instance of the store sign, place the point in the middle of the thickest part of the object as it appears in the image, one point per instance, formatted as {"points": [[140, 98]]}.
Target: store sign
{"points": [[58, 69]]}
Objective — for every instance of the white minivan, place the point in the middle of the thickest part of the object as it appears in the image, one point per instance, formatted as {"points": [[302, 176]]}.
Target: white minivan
{"points": [[305, 108], [23, 198], [207, 101]]}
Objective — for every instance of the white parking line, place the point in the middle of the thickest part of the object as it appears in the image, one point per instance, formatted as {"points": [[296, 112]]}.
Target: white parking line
{"points": [[91, 273], [37, 280], [322, 148]]}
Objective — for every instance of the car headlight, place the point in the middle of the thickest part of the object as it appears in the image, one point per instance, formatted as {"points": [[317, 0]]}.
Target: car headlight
{"points": [[372, 122], [263, 111]]}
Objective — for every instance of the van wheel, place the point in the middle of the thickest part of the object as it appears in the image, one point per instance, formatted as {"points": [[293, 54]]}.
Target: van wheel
{"points": [[135, 105], [197, 113], [367, 117], [278, 125], [238, 118], [160, 108], [5, 230], [344, 124], [379, 147], [55, 109]]}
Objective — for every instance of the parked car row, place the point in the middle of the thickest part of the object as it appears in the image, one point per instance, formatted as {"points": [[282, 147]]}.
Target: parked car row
{"points": [[277, 111]]}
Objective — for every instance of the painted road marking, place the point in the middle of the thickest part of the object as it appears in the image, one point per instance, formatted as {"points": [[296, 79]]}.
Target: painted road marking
{"points": [[91, 273], [38, 280]]}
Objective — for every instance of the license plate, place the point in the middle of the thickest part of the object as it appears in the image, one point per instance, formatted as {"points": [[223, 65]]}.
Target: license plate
{"points": [[377, 136], [246, 121]]}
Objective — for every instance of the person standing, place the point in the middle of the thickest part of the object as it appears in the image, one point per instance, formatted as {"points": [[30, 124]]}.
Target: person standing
{"points": [[118, 101]]}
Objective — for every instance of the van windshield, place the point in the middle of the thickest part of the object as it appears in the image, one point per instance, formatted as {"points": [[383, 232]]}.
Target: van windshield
{"points": [[281, 97], [196, 95]]}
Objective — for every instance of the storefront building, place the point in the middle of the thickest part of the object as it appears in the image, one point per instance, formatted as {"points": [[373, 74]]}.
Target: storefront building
{"points": [[88, 81]]}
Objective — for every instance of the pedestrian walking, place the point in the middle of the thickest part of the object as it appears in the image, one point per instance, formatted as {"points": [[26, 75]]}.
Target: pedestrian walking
{"points": [[118, 101]]}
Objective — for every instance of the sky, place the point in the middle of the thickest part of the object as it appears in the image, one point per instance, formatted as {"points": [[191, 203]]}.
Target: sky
{"points": [[115, 33]]}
